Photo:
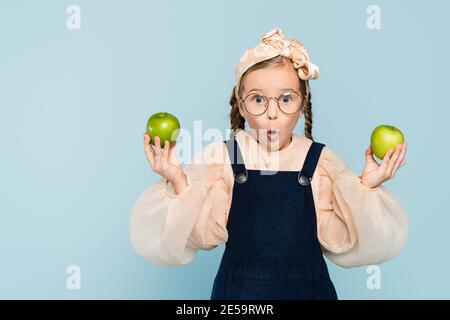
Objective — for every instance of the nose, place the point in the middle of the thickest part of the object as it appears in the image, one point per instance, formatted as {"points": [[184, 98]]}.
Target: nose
{"points": [[272, 109]]}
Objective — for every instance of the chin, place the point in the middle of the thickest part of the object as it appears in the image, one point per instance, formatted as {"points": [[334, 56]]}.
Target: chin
{"points": [[275, 145]]}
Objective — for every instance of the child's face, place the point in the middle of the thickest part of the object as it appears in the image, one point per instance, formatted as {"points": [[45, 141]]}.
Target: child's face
{"points": [[272, 81]]}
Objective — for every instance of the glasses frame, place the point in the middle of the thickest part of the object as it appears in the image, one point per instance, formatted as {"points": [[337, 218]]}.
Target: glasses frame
{"points": [[267, 100]]}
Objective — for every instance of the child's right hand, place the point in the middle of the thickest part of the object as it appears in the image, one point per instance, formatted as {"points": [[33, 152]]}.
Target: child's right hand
{"points": [[164, 161]]}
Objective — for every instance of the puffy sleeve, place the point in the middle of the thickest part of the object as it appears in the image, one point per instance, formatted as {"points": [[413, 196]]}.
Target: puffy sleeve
{"points": [[168, 228], [357, 225]]}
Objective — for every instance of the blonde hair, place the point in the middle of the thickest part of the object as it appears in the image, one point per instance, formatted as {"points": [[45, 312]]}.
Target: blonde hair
{"points": [[238, 122]]}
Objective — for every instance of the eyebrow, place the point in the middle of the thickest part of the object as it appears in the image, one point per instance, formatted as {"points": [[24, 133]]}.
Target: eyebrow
{"points": [[258, 89]]}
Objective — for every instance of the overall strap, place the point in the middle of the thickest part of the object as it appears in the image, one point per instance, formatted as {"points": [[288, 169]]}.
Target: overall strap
{"points": [[237, 162], [312, 158]]}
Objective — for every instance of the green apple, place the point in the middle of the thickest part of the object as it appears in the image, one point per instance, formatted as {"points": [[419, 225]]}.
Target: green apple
{"points": [[385, 137], [164, 125]]}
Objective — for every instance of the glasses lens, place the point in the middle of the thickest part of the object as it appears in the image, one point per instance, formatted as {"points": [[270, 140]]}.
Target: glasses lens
{"points": [[255, 103], [290, 102]]}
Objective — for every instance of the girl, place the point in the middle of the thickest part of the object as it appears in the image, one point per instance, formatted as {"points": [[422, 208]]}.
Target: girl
{"points": [[277, 199]]}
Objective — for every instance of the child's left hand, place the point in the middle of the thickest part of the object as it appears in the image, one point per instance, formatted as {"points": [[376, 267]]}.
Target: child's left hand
{"points": [[374, 174]]}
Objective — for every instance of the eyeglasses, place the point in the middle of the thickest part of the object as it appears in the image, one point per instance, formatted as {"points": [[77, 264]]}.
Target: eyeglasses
{"points": [[256, 104]]}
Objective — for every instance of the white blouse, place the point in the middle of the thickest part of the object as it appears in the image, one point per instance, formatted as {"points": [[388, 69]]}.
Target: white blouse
{"points": [[356, 225]]}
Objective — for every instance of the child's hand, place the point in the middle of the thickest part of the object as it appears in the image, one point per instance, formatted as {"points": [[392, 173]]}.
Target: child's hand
{"points": [[374, 174], [163, 160]]}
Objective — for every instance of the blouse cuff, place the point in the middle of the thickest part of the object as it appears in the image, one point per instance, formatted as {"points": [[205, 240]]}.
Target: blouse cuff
{"points": [[364, 187], [170, 190]]}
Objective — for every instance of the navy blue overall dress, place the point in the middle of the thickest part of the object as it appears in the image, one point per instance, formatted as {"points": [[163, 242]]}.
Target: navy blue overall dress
{"points": [[272, 250]]}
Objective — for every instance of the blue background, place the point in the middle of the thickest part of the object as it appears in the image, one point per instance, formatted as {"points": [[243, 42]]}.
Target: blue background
{"points": [[74, 105]]}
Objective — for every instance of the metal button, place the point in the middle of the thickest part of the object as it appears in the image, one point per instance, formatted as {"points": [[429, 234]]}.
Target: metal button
{"points": [[304, 180], [241, 177]]}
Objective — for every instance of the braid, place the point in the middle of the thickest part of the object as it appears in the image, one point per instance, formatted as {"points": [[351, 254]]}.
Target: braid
{"points": [[237, 121], [308, 113]]}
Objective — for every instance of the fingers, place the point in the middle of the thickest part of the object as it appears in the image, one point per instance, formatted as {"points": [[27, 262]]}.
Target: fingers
{"points": [[386, 159], [149, 150], [393, 161], [157, 156], [400, 156], [158, 151], [401, 159], [166, 150]]}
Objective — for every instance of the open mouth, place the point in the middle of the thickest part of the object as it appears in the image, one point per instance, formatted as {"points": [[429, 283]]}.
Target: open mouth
{"points": [[273, 134]]}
